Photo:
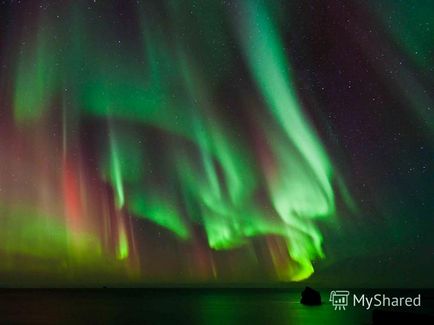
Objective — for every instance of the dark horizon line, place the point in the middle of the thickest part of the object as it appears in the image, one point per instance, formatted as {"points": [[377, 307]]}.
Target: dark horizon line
{"points": [[202, 287]]}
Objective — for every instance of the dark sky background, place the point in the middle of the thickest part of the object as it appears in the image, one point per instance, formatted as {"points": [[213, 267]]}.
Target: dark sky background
{"points": [[363, 73]]}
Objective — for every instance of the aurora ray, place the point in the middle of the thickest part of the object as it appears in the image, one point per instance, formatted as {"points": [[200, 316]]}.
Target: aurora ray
{"points": [[207, 141]]}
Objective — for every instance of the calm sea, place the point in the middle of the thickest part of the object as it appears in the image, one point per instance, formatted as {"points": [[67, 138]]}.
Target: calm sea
{"points": [[176, 306]]}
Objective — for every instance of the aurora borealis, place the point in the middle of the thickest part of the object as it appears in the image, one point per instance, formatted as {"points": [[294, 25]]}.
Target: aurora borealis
{"points": [[212, 141]]}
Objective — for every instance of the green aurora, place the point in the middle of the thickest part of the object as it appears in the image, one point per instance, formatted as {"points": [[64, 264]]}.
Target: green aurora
{"points": [[188, 124]]}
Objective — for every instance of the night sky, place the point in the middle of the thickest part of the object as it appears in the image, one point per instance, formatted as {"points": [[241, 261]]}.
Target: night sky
{"points": [[214, 142]]}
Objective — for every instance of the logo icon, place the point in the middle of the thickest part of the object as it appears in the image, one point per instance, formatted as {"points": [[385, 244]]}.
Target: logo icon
{"points": [[339, 299]]}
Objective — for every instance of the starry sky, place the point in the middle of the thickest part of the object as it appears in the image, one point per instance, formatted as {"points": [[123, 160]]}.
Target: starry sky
{"points": [[217, 142]]}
